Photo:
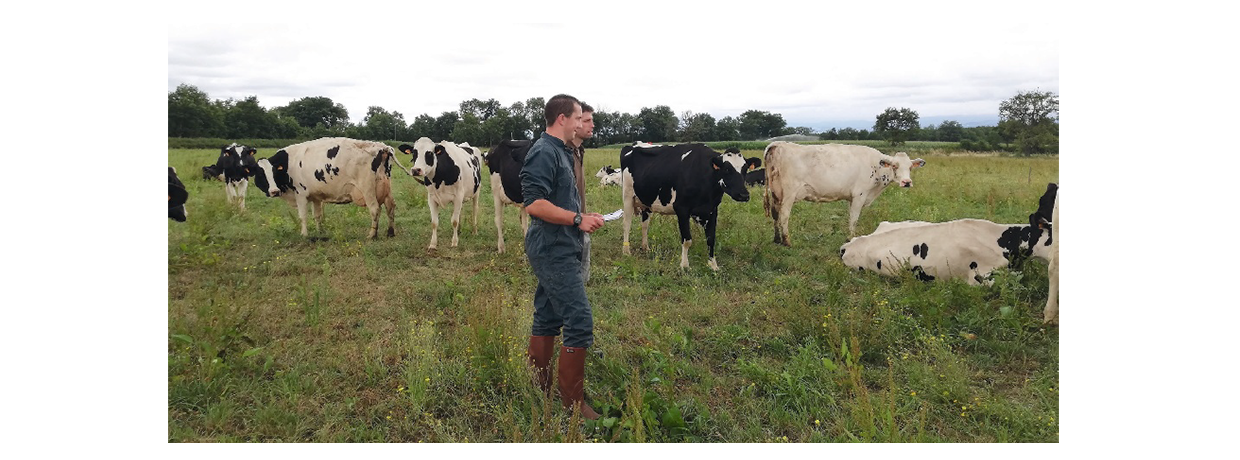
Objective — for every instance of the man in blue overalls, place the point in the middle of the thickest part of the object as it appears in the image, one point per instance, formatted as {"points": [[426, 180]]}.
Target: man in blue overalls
{"points": [[554, 245]]}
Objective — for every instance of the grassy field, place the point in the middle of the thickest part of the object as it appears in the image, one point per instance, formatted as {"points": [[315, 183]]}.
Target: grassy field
{"points": [[272, 337]]}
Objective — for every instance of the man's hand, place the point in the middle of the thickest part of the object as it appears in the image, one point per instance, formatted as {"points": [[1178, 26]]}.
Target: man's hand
{"points": [[590, 222]]}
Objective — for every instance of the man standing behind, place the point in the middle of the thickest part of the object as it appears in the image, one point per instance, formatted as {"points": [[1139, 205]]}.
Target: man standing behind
{"points": [[579, 158], [554, 246]]}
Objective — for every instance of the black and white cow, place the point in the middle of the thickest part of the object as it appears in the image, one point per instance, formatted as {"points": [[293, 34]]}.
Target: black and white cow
{"points": [[505, 162], [829, 172], [688, 180], [331, 170], [452, 175], [176, 197], [237, 164], [753, 175], [608, 175], [968, 249]]}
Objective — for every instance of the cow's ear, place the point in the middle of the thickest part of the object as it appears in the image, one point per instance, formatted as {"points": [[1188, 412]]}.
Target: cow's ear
{"points": [[883, 163], [717, 161], [408, 149], [917, 163]]}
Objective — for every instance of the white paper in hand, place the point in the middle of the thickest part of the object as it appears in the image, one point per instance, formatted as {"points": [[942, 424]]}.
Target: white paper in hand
{"points": [[613, 216]]}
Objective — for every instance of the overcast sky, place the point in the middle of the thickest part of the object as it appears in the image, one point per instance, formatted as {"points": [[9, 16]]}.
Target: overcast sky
{"points": [[835, 68]]}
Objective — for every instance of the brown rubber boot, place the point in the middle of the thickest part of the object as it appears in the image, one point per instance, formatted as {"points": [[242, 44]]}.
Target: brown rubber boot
{"points": [[539, 352], [572, 375]]}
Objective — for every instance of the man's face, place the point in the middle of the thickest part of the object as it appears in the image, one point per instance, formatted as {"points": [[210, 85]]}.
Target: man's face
{"points": [[587, 126], [572, 124]]}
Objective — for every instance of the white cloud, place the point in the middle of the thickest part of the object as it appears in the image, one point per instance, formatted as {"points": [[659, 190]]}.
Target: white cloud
{"points": [[829, 64]]}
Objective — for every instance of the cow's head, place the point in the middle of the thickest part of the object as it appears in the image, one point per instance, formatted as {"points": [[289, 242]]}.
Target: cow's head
{"points": [[1046, 205], [423, 151], [272, 176], [176, 197], [902, 166], [604, 172], [237, 156], [727, 172], [249, 165]]}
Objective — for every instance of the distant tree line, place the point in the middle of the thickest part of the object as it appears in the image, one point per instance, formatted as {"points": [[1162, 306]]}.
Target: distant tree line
{"points": [[1026, 124]]}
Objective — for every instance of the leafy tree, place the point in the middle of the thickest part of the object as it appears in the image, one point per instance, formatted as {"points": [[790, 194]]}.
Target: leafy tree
{"points": [[521, 127], [658, 124], [728, 129], [802, 130], [482, 110], [896, 125], [310, 112], [1030, 120], [534, 108], [379, 124], [423, 125], [756, 125], [248, 120], [467, 129], [191, 114], [442, 128], [698, 127], [950, 131], [829, 135]]}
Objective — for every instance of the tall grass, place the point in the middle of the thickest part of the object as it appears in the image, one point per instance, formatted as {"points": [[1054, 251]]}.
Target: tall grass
{"points": [[273, 337]]}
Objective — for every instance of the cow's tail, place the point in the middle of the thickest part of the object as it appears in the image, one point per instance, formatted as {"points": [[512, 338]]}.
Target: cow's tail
{"points": [[772, 178]]}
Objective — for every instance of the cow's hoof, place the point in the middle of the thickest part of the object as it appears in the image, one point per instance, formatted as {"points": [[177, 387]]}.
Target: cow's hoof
{"points": [[391, 232]]}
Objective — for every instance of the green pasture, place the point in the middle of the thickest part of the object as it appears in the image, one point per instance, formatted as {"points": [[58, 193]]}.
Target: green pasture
{"points": [[274, 337]]}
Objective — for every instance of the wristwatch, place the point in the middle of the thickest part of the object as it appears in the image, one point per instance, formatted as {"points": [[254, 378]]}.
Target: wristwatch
{"points": [[577, 219]]}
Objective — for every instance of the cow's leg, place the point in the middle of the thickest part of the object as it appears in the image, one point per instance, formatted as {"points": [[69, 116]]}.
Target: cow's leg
{"points": [[301, 213], [457, 206], [318, 216], [499, 219], [686, 238], [245, 185], [525, 221], [430, 201], [372, 203], [228, 192], [626, 197], [475, 215], [391, 213], [782, 213], [646, 230], [854, 212], [1050, 314], [708, 226]]}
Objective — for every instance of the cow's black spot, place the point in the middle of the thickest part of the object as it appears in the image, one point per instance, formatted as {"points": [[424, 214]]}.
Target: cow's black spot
{"points": [[380, 160], [318, 174], [924, 250], [447, 173], [880, 265], [331, 153], [842, 252], [920, 273], [299, 165], [303, 186], [973, 265], [916, 249], [1013, 250]]}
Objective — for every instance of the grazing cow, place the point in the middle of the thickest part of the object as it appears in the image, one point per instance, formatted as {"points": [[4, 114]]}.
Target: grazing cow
{"points": [[212, 172], [968, 249], [505, 162], [176, 197], [451, 175], [688, 180], [608, 175], [237, 164], [828, 172], [331, 170]]}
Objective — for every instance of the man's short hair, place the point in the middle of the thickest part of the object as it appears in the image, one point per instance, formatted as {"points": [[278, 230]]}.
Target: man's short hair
{"points": [[585, 108], [560, 104]]}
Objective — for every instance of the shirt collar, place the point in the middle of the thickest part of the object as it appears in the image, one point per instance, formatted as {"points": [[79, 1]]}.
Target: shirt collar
{"points": [[555, 140]]}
